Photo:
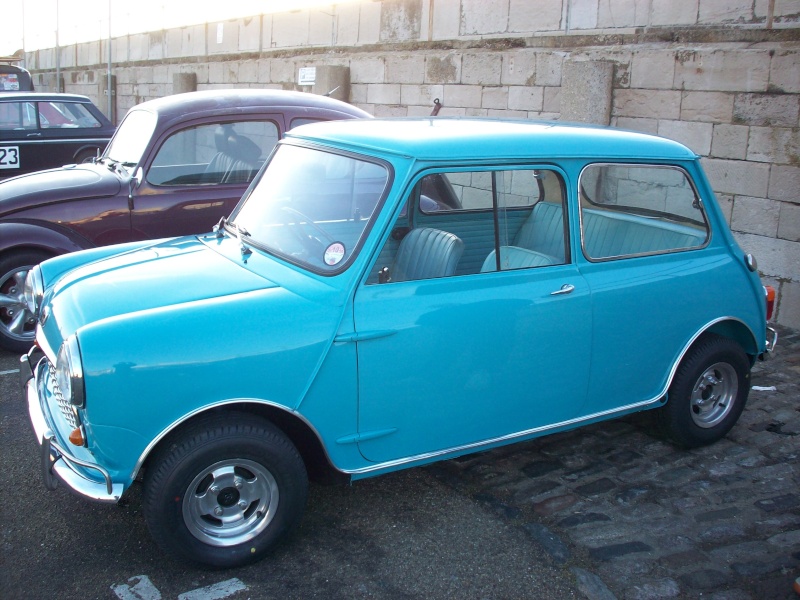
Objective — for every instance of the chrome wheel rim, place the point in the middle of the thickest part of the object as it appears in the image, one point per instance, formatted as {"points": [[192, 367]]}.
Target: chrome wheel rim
{"points": [[16, 321], [230, 502], [714, 394]]}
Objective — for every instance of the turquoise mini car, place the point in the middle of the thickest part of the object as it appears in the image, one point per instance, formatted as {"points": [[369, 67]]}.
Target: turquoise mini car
{"points": [[389, 293]]}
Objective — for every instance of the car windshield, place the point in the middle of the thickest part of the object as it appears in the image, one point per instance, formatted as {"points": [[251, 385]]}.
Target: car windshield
{"points": [[132, 137], [312, 206]]}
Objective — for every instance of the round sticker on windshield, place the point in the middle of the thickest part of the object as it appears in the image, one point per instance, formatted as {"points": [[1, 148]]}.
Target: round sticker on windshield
{"points": [[334, 254]]}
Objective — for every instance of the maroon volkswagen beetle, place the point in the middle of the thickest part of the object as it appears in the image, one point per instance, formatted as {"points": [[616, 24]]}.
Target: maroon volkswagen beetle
{"points": [[174, 167]]}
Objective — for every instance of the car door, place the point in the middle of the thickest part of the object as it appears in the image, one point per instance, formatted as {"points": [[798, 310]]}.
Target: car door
{"points": [[21, 143], [198, 174], [480, 353]]}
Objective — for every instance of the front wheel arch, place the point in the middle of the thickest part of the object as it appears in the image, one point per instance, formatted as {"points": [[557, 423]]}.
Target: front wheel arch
{"points": [[223, 492], [318, 464]]}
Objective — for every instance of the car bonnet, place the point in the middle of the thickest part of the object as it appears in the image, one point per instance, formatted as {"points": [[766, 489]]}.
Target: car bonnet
{"points": [[161, 276]]}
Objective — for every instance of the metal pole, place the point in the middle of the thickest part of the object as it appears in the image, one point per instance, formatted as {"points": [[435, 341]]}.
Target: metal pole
{"points": [[58, 55], [110, 104]]}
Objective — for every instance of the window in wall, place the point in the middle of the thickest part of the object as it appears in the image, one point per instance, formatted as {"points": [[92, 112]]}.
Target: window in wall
{"points": [[214, 154], [470, 222], [631, 210]]}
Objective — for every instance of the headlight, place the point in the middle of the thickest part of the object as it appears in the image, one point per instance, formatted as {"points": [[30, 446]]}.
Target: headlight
{"points": [[33, 290], [69, 372]]}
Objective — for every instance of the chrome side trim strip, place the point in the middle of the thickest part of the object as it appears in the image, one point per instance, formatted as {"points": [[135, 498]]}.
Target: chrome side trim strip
{"points": [[498, 440]]}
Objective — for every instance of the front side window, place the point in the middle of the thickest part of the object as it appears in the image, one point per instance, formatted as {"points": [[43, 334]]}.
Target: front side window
{"points": [[631, 210], [480, 221], [214, 153], [18, 115], [312, 207]]}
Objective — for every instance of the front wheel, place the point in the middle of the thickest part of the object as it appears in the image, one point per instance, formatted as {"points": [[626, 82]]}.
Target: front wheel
{"points": [[708, 393], [225, 492]]}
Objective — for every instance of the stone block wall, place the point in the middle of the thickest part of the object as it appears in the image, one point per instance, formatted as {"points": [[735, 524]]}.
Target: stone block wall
{"points": [[721, 76]]}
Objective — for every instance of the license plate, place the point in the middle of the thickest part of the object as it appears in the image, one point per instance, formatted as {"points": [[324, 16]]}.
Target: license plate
{"points": [[9, 157]]}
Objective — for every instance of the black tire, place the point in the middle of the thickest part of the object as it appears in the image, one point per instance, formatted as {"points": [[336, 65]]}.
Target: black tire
{"points": [[86, 156], [708, 393], [17, 324], [261, 490]]}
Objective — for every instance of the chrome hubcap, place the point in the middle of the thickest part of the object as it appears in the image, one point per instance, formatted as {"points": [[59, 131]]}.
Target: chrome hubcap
{"points": [[230, 503], [16, 321], [714, 394]]}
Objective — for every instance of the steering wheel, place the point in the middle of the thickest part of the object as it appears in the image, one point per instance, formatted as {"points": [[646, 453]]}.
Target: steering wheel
{"points": [[312, 244]]}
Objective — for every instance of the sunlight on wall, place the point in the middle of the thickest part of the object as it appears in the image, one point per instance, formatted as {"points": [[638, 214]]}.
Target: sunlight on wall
{"points": [[87, 20]]}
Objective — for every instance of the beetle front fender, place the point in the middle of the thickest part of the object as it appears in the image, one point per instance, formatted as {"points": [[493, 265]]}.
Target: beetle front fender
{"points": [[41, 236]]}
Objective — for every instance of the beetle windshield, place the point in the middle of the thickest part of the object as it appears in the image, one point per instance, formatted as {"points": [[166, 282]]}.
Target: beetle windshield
{"points": [[312, 206], [132, 137]]}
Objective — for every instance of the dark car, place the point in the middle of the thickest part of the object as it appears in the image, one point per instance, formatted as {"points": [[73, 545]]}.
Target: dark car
{"points": [[15, 79], [42, 131], [175, 166]]}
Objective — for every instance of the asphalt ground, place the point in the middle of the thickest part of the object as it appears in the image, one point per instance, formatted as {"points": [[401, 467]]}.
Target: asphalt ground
{"points": [[405, 535]]}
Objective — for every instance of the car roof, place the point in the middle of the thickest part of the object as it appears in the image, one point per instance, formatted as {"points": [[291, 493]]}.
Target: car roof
{"points": [[181, 105], [42, 96], [478, 138]]}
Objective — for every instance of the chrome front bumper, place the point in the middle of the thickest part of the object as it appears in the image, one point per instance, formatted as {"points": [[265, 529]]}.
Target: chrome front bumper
{"points": [[57, 463]]}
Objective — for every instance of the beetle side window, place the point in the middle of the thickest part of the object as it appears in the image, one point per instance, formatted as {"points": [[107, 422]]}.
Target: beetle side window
{"points": [[471, 222], [220, 153], [632, 210]]}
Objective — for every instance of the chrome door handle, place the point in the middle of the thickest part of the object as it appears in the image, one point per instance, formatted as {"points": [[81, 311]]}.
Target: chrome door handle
{"points": [[567, 288]]}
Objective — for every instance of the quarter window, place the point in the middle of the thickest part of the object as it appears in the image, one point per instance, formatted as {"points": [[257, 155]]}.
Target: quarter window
{"points": [[632, 210]]}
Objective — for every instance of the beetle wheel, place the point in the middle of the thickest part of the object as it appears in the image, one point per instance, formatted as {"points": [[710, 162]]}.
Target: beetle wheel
{"points": [[17, 324]]}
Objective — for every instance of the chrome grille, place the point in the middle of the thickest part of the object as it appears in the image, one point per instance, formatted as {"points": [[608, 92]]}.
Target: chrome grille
{"points": [[66, 408]]}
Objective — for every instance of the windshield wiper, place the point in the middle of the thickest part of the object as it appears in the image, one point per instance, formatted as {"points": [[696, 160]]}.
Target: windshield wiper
{"points": [[240, 231]]}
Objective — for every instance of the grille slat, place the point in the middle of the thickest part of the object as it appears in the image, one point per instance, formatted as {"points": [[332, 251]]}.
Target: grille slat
{"points": [[66, 408]]}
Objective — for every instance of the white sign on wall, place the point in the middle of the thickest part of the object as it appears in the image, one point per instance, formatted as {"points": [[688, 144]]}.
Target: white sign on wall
{"points": [[307, 76]]}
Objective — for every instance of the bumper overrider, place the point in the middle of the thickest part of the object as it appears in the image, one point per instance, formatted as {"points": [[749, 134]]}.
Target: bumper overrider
{"points": [[58, 463]]}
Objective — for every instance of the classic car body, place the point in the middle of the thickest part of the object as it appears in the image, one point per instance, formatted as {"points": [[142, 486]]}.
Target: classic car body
{"points": [[41, 131], [176, 165], [389, 293]]}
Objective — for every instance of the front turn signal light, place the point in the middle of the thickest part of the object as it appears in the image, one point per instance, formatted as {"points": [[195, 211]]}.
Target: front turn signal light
{"points": [[769, 292], [77, 438]]}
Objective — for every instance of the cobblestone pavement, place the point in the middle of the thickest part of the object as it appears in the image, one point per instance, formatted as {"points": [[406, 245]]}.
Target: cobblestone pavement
{"points": [[634, 517]]}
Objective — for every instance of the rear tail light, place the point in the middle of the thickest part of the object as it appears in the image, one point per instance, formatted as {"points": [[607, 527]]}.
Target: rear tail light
{"points": [[769, 292]]}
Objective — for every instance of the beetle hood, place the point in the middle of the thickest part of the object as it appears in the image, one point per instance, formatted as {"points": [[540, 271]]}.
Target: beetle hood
{"points": [[71, 182], [168, 274]]}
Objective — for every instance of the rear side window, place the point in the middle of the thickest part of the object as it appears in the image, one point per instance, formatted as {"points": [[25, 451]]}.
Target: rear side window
{"points": [[633, 210], [214, 154]]}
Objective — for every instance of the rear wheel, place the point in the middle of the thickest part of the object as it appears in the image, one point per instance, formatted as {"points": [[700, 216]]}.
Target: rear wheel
{"points": [[17, 323], [708, 393], [225, 492]]}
